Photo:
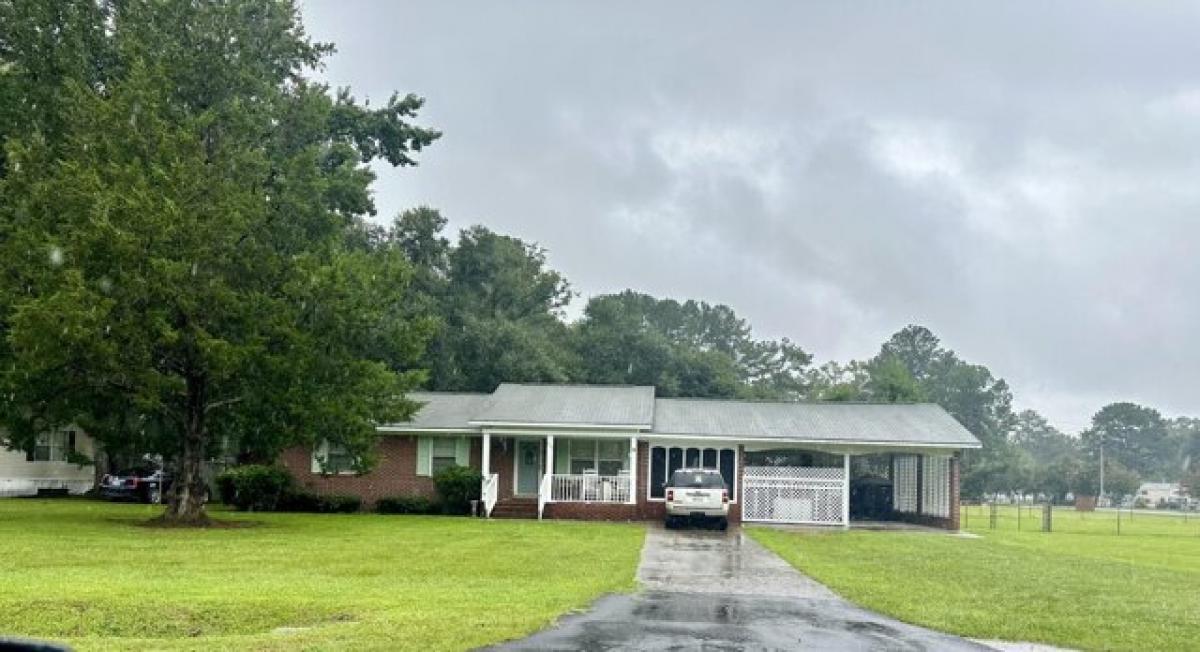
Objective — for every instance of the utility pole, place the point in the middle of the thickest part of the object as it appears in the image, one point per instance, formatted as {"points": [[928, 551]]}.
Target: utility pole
{"points": [[1100, 500]]}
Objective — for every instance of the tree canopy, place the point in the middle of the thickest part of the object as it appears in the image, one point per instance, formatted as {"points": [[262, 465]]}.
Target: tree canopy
{"points": [[181, 211]]}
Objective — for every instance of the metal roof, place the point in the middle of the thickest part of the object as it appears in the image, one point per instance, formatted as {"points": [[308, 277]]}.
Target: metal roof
{"points": [[635, 407], [443, 411], [923, 424], [567, 406]]}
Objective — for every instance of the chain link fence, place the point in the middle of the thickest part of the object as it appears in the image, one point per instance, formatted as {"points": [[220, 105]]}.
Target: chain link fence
{"points": [[1043, 517]]}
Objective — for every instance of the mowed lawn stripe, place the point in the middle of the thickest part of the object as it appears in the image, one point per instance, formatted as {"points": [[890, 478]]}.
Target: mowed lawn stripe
{"points": [[91, 574], [1006, 587]]}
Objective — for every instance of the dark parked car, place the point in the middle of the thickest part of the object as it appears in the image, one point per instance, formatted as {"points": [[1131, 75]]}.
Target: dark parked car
{"points": [[145, 483]]}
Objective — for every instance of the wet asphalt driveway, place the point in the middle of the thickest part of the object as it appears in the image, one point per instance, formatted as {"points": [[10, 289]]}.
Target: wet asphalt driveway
{"points": [[704, 590]]}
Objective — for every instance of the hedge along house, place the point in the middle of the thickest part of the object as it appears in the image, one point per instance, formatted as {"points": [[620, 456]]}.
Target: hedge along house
{"points": [[606, 452]]}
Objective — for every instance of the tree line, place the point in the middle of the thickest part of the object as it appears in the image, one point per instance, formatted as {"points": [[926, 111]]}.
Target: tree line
{"points": [[192, 264]]}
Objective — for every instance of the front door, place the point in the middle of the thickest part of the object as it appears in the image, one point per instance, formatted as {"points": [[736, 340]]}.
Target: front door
{"points": [[529, 466]]}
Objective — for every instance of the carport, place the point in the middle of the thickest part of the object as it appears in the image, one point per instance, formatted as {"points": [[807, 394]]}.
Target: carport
{"points": [[831, 463], [820, 487]]}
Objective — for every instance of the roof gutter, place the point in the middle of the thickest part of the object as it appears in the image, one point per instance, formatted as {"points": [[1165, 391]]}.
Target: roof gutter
{"points": [[800, 440]]}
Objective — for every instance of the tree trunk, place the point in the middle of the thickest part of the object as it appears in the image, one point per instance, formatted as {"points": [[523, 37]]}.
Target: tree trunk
{"points": [[189, 491], [99, 465]]}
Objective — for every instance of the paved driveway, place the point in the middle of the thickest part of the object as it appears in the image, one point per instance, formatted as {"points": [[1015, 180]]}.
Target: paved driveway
{"points": [[722, 591]]}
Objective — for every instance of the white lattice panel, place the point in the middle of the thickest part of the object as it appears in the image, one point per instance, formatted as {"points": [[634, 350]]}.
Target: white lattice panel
{"points": [[790, 494], [935, 486], [904, 484]]}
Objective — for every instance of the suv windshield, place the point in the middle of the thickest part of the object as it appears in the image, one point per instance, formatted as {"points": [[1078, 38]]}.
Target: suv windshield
{"points": [[697, 480]]}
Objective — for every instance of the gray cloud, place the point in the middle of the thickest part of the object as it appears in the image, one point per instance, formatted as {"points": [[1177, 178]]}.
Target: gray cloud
{"points": [[1020, 178]]}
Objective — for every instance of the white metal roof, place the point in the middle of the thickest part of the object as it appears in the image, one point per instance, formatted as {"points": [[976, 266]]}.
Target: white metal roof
{"points": [[872, 423], [551, 407], [443, 411], [589, 406]]}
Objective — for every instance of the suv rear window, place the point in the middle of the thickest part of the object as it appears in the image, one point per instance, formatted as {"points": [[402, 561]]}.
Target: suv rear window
{"points": [[697, 480]]}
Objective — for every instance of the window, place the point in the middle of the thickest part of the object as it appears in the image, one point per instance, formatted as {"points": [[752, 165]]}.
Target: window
{"points": [[666, 460], [582, 455], [658, 471], [56, 446], [443, 454], [330, 457], [599, 456], [612, 456], [437, 453]]}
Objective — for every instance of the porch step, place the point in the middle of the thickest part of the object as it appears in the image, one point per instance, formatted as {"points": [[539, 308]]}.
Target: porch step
{"points": [[515, 508]]}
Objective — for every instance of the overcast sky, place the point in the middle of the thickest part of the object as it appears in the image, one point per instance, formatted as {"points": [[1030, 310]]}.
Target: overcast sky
{"points": [[1023, 180]]}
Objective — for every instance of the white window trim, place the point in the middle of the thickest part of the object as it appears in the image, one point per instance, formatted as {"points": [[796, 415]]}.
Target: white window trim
{"points": [[737, 462], [319, 455]]}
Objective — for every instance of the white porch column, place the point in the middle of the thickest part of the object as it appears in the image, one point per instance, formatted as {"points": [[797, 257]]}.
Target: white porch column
{"points": [[846, 490], [550, 455], [633, 444], [486, 455]]}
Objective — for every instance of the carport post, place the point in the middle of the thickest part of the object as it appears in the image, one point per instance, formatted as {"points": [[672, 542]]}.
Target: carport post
{"points": [[846, 490]]}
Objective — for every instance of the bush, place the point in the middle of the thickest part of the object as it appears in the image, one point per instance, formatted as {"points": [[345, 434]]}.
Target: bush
{"points": [[457, 486], [299, 500], [406, 505], [338, 504], [254, 487]]}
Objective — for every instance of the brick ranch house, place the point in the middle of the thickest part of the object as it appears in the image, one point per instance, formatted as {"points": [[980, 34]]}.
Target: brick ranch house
{"points": [[605, 452]]}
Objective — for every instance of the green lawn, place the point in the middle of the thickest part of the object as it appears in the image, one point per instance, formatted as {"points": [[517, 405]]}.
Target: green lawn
{"points": [[1082, 589], [88, 573]]}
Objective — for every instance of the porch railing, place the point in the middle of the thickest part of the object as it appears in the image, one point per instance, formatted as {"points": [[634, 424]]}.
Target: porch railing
{"points": [[489, 492], [589, 488]]}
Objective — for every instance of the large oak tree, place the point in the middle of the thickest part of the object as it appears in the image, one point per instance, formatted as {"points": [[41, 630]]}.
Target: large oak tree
{"points": [[181, 224]]}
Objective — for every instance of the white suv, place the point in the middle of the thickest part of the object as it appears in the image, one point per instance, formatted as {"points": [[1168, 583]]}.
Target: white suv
{"points": [[697, 494]]}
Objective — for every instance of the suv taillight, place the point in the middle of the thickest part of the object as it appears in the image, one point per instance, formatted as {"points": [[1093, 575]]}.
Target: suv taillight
{"points": [[670, 495], [724, 495]]}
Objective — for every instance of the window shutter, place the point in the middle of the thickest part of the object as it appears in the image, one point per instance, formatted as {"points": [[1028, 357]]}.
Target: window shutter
{"points": [[423, 449], [462, 451], [318, 455], [70, 443], [29, 454]]}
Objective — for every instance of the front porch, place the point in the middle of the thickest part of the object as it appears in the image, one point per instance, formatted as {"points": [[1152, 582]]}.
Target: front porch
{"points": [[528, 475]]}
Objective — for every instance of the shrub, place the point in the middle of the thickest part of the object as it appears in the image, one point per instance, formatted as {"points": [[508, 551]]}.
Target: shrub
{"points": [[299, 500], [254, 487], [457, 486], [406, 505], [338, 504]]}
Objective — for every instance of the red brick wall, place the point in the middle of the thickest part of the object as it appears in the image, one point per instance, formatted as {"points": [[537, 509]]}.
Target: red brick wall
{"points": [[395, 473]]}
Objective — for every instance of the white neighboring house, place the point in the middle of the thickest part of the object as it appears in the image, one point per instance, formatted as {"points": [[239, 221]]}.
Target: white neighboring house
{"points": [[1156, 493], [47, 466]]}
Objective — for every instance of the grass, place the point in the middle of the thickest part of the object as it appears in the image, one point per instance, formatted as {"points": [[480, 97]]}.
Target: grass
{"points": [[89, 573], [1080, 588]]}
